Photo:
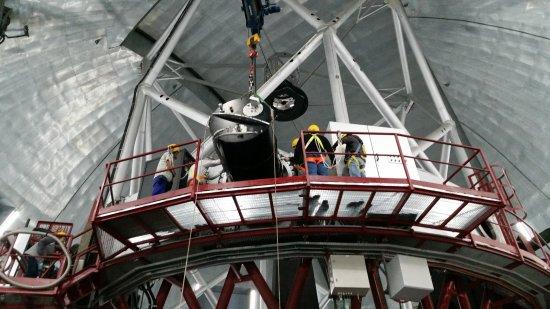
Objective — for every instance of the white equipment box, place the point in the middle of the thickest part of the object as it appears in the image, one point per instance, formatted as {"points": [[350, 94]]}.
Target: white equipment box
{"points": [[378, 166], [409, 278], [348, 275]]}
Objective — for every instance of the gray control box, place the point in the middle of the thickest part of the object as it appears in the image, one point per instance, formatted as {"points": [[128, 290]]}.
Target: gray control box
{"points": [[348, 275], [409, 278]]}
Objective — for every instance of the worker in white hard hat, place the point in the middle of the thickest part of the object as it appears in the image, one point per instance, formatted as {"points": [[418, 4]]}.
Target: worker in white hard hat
{"points": [[162, 181], [316, 147]]}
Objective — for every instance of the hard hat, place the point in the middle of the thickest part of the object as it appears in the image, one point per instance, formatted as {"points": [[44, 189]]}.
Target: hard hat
{"points": [[174, 148], [313, 128], [60, 232], [294, 142]]}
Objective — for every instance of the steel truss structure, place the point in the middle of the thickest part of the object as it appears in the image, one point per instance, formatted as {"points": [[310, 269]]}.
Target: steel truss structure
{"points": [[159, 58], [135, 242]]}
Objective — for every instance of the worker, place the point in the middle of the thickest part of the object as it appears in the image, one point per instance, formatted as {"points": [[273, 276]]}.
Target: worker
{"points": [[162, 181], [354, 159], [317, 147], [44, 248], [297, 168]]}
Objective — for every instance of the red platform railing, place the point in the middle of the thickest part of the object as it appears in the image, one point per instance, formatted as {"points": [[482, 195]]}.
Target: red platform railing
{"points": [[510, 221], [106, 196], [471, 182], [475, 166], [451, 191], [481, 186]]}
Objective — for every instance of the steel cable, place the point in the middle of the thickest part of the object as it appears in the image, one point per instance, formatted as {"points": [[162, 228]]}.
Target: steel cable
{"points": [[195, 183]]}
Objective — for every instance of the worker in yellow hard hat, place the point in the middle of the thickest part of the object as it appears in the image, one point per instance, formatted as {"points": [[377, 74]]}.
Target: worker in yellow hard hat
{"points": [[297, 168], [355, 153], [294, 143], [318, 148], [162, 181]]}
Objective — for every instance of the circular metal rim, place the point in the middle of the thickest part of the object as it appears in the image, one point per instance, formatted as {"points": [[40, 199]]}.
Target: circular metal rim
{"points": [[299, 249]]}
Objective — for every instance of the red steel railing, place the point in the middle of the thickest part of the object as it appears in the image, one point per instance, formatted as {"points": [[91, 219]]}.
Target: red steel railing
{"points": [[478, 176], [476, 165], [106, 196]]}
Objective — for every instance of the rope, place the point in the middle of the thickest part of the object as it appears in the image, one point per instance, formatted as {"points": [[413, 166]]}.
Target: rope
{"points": [[275, 153], [192, 221]]}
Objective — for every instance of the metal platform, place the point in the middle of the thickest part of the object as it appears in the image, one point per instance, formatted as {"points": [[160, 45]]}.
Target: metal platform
{"points": [[413, 217], [422, 206], [299, 217]]}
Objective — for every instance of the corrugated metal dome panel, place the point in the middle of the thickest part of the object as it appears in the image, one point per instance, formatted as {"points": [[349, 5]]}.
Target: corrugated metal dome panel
{"points": [[67, 89], [493, 56], [65, 96]]}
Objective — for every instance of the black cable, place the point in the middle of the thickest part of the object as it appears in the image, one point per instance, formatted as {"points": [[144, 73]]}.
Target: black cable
{"points": [[507, 159], [101, 161], [265, 60], [149, 289], [144, 292], [482, 24]]}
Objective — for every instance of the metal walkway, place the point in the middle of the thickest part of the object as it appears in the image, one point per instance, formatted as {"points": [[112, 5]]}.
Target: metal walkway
{"points": [[130, 243]]}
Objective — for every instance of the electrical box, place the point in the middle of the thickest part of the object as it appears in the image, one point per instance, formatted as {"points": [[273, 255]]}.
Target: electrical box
{"points": [[348, 275], [409, 278]]}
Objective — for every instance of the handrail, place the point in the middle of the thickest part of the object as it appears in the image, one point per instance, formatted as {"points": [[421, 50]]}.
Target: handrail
{"points": [[484, 176], [476, 153], [108, 183]]}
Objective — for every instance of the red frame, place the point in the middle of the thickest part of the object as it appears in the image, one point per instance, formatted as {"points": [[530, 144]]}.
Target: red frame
{"points": [[487, 190]]}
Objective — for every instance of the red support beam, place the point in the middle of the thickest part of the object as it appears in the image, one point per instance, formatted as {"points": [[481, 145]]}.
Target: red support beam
{"points": [[298, 285], [121, 302], [486, 303], [338, 202], [355, 302], [446, 294], [189, 296], [261, 285], [427, 302], [378, 295], [463, 299], [401, 203], [163, 292], [505, 227], [227, 290]]}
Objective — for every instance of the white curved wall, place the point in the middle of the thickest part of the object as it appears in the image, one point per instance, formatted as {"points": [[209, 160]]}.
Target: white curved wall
{"points": [[64, 98], [494, 56]]}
